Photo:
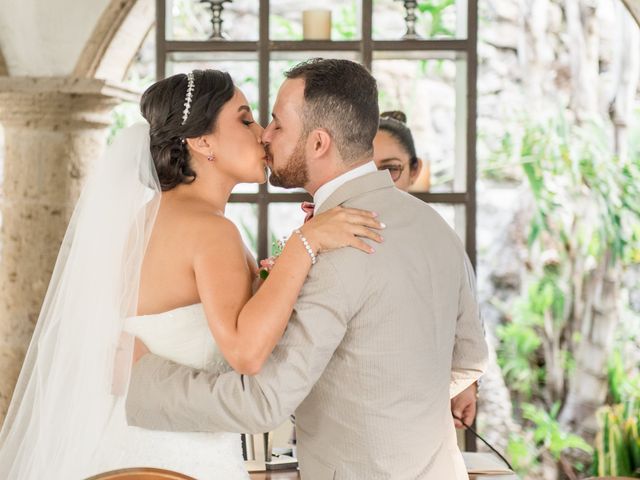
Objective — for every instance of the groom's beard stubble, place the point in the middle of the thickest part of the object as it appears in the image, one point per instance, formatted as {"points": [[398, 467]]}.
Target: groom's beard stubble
{"points": [[295, 173]]}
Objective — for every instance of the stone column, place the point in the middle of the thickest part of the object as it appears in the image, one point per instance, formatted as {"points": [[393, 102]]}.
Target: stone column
{"points": [[54, 129]]}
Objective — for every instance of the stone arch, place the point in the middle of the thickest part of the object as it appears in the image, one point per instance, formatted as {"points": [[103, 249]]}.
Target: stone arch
{"points": [[116, 39]]}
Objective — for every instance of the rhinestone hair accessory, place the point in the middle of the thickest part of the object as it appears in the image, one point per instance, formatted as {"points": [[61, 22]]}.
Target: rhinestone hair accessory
{"points": [[189, 96]]}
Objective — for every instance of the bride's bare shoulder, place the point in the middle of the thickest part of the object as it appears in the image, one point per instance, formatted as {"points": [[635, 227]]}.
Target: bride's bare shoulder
{"points": [[197, 229], [207, 230]]}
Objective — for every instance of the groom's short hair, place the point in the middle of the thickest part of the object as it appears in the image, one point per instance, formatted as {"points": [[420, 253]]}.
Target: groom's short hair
{"points": [[340, 96]]}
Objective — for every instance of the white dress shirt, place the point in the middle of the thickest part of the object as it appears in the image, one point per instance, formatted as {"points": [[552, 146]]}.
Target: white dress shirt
{"points": [[326, 190]]}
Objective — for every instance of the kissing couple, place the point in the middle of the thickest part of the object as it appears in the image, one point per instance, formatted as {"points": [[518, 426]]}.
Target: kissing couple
{"points": [[158, 342]]}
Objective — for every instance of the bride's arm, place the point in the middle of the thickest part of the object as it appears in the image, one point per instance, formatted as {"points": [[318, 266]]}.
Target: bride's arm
{"points": [[247, 328]]}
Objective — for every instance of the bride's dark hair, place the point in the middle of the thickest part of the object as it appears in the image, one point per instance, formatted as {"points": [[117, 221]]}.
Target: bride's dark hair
{"points": [[162, 105]]}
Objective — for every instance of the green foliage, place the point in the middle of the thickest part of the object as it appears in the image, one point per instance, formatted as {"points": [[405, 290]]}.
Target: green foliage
{"points": [[618, 441], [549, 434], [587, 200], [623, 387], [436, 11], [521, 338], [522, 453], [277, 244], [285, 29], [544, 435], [123, 116], [519, 342], [585, 214], [345, 22]]}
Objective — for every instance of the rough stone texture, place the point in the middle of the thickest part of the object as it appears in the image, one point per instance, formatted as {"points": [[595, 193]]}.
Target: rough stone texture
{"points": [[53, 129]]}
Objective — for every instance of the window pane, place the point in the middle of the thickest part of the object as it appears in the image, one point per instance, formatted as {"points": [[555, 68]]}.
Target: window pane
{"points": [[285, 21], [191, 20], [284, 218], [245, 216], [454, 215], [243, 68], [432, 94], [283, 61], [246, 188], [434, 19], [142, 71]]}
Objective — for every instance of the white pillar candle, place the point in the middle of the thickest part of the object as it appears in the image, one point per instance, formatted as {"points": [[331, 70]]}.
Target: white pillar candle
{"points": [[316, 24]]}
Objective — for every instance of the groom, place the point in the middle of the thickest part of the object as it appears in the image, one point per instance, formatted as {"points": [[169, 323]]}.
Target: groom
{"points": [[377, 344]]}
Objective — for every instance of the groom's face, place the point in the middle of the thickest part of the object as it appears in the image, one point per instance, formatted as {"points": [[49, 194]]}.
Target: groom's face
{"points": [[285, 139]]}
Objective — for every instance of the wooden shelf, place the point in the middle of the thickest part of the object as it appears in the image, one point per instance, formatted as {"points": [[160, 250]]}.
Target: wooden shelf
{"points": [[314, 45], [172, 46]]}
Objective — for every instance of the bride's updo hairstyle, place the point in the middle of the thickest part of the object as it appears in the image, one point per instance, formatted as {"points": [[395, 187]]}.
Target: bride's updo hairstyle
{"points": [[163, 106]]}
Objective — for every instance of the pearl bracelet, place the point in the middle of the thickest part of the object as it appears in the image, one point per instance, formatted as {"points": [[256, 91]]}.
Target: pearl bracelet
{"points": [[313, 256]]}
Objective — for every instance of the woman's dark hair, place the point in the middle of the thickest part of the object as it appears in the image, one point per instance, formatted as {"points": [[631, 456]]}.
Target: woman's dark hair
{"points": [[395, 123], [162, 105]]}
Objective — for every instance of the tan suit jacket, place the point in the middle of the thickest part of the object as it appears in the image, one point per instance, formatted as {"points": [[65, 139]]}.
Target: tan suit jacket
{"points": [[375, 348]]}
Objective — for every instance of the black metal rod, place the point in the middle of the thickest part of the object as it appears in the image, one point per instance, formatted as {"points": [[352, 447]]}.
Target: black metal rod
{"points": [[470, 230], [367, 34], [161, 29], [264, 61]]}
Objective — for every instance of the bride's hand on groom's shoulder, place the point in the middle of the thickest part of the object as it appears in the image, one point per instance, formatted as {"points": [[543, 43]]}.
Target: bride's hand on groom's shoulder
{"points": [[343, 227]]}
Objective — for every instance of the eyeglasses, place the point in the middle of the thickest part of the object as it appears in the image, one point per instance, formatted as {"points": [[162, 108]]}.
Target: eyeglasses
{"points": [[394, 170]]}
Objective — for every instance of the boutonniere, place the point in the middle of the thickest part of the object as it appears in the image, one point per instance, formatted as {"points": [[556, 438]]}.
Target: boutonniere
{"points": [[268, 263]]}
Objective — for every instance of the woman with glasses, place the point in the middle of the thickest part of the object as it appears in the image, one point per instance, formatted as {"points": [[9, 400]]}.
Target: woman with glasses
{"points": [[395, 151]]}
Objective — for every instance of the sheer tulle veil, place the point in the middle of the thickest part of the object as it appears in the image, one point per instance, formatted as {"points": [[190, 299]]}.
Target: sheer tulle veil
{"points": [[77, 366]]}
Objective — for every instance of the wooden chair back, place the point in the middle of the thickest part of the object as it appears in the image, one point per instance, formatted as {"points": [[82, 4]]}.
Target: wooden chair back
{"points": [[141, 474]]}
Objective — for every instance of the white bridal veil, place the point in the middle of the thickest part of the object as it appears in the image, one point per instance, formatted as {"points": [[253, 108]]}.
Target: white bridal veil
{"points": [[70, 381]]}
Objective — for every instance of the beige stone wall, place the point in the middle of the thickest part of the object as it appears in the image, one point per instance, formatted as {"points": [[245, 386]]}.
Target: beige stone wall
{"points": [[54, 129]]}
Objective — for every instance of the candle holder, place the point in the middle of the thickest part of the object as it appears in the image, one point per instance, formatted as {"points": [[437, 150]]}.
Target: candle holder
{"points": [[410, 20], [216, 18]]}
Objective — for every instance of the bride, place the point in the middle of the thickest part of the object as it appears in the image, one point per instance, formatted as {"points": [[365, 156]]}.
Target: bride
{"points": [[150, 254]]}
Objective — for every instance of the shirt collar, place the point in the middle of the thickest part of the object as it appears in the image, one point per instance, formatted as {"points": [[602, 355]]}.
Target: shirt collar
{"points": [[326, 190]]}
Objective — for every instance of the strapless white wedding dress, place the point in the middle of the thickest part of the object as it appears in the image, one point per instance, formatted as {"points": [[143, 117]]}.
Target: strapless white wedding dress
{"points": [[183, 336]]}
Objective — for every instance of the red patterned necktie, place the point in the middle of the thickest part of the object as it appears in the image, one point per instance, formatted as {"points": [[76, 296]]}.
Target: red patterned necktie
{"points": [[308, 208]]}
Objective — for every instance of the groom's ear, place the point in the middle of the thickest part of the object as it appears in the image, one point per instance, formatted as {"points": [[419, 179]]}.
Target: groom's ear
{"points": [[321, 142]]}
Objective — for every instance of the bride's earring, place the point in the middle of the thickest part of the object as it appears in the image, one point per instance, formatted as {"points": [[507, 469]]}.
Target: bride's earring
{"points": [[210, 157]]}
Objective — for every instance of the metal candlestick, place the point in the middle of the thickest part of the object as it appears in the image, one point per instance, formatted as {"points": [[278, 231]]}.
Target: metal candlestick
{"points": [[410, 20], [216, 18]]}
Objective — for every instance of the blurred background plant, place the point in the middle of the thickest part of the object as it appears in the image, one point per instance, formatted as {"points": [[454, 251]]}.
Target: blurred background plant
{"points": [[584, 231], [617, 444]]}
